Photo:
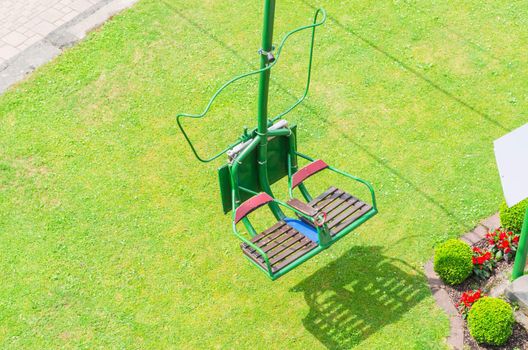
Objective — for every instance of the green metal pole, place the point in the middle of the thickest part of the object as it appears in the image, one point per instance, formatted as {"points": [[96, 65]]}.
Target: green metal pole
{"points": [[267, 46], [522, 250]]}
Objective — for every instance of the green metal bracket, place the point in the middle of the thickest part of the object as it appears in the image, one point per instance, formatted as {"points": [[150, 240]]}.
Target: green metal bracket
{"points": [[277, 161]]}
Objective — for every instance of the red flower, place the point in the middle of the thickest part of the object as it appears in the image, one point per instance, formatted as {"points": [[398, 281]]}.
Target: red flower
{"points": [[502, 241], [467, 299]]}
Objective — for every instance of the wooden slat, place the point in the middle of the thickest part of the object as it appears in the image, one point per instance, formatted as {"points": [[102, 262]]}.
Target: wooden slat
{"points": [[336, 203], [342, 209], [351, 209], [302, 207], [270, 230], [299, 253], [345, 204], [286, 256], [270, 234], [283, 246], [332, 205], [330, 200], [283, 242], [325, 194], [268, 244], [338, 210], [256, 259], [301, 249], [288, 248], [351, 219]]}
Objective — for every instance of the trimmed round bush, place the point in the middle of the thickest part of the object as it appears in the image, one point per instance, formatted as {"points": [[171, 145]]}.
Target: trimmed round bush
{"points": [[452, 261], [512, 218], [490, 321]]}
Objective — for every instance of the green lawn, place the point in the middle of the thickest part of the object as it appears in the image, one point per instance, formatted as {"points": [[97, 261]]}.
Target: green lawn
{"points": [[112, 235]]}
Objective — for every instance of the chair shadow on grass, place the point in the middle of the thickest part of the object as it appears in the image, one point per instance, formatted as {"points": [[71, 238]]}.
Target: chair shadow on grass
{"points": [[358, 294]]}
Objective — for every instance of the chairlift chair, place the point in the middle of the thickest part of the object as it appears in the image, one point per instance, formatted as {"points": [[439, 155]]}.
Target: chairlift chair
{"points": [[268, 153]]}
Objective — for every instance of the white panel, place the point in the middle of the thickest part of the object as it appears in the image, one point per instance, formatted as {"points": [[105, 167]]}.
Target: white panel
{"points": [[511, 152]]}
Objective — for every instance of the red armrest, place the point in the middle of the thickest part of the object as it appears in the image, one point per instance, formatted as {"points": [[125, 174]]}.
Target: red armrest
{"points": [[252, 204], [302, 207], [308, 171]]}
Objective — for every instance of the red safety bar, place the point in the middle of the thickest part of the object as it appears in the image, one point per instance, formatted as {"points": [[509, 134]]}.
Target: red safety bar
{"points": [[308, 171], [252, 204]]}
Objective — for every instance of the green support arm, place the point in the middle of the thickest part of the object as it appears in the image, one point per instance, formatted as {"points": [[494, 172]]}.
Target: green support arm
{"points": [[249, 243], [364, 182], [340, 172], [268, 67], [522, 250]]}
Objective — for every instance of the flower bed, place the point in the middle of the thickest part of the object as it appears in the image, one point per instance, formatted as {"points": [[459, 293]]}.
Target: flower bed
{"points": [[479, 284]]}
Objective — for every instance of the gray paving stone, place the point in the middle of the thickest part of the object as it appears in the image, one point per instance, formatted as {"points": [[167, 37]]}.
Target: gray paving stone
{"points": [[7, 51], [52, 15], [80, 5], [493, 222], [481, 230], [44, 27], [32, 39], [473, 236], [14, 38]]}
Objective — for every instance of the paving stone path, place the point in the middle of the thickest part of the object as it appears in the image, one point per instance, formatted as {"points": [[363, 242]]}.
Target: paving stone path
{"points": [[24, 22], [34, 31]]}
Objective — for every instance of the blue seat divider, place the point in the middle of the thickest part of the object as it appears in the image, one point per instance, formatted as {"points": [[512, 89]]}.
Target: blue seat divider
{"points": [[307, 230]]}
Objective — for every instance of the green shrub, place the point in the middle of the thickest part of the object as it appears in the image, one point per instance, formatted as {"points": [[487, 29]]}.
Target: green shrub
{"points": [[490, 321], [512, 218], [453, 261]]}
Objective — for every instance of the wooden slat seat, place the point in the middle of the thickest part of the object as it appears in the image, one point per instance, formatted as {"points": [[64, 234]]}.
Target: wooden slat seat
{"points": [[282, 244], [342, 209]]}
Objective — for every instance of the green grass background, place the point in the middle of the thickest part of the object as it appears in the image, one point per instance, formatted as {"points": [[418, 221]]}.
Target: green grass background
{"points": [[112, 236]]}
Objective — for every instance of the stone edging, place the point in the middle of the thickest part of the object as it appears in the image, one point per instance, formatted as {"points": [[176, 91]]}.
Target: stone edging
{"points": [[456, 337]]}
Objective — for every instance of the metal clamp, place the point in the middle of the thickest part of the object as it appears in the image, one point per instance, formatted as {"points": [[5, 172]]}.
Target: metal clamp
{"points": [[269, 54]]}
